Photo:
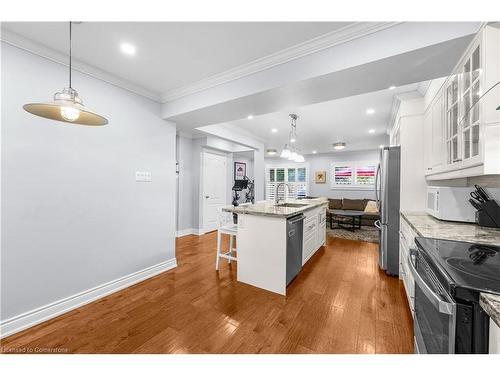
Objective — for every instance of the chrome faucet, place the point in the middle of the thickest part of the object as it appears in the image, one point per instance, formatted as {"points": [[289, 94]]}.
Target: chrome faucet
{"points": [[276, 197]]}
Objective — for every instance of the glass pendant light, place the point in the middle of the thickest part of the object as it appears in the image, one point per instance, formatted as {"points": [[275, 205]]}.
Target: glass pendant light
{"points": [[285, 153], [67, 105], [300, 159]]}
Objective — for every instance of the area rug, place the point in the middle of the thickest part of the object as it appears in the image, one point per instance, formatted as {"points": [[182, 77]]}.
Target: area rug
{"points": [[367, 234]]}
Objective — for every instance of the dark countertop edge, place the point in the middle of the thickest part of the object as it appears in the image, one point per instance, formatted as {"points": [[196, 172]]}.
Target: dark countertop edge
{"points": [[491, 304]]}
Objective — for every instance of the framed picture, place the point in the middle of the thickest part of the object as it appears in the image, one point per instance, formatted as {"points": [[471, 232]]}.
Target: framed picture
{"points": [[240, 170], [320, 177]]}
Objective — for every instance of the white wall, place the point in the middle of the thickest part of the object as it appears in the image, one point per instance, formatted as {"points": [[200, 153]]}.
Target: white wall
{"points": [[185, 183], [219, 139], [241, 137], [323, 162], [413, 189], [73, 216]]}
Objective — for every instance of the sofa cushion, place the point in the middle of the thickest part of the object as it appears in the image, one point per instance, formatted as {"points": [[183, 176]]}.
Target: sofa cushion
{"points": [[353, 204], [335, 204]]}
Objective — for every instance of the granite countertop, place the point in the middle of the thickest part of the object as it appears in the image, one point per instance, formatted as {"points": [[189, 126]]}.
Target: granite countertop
{"points": [[270, 209], [491, 304], [428, 226]]}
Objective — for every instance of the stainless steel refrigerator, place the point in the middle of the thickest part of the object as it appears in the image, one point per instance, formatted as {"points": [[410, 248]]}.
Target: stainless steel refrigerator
{"points": [[387, 194]]}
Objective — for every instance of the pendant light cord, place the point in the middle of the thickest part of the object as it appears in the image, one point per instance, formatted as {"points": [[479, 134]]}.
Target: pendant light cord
{"points": [[70, 54]]}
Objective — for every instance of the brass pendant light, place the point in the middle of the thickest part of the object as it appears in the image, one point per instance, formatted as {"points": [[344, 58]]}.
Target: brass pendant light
{"points": [[67, 105]]}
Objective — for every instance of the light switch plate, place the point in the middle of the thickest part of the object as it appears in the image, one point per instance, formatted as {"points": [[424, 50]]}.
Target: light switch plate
{"points": [[143, 176]]}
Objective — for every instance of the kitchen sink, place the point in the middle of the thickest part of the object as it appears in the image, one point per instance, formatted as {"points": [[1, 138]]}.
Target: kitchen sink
{"points": [[292, 205]]}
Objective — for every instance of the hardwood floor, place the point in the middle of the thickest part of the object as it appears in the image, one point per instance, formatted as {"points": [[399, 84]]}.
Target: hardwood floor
{"points": [[339, 303]]}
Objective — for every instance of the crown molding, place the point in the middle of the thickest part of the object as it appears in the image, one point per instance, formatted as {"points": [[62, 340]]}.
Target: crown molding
{"points": [[396, 102], [38, 49], [423, 87], [336, 37]]}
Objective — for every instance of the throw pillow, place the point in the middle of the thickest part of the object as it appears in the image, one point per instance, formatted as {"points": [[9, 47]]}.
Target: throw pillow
{"points": [[371, 207]]}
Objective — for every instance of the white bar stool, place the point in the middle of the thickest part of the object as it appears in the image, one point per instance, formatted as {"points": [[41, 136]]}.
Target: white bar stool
{"points": [[226, 226]]}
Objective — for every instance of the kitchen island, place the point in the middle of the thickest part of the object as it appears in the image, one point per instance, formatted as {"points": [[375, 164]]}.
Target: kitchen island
{"points": [[271, 250]]}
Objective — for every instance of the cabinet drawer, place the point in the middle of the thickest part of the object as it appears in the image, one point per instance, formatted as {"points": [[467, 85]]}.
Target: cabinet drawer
{"points": [[409, 284], [310, 227], [406, 233], [308, 248], [321, 235]]}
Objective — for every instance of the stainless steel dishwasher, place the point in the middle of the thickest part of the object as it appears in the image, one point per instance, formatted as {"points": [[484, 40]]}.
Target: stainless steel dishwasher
{"points": [[294, 236]]}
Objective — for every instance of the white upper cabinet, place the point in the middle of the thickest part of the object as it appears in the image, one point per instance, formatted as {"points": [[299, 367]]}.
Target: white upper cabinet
{"points": [[461, 123], [438, 154], [428, 137]]}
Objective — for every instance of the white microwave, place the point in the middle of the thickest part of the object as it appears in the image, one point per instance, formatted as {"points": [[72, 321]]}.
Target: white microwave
{"points": [[450, 203]]}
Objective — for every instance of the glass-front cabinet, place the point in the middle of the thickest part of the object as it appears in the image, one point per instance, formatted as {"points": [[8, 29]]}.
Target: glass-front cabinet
{"points": [[462, 114], [452, 133], [464, 128], [469, 114]]}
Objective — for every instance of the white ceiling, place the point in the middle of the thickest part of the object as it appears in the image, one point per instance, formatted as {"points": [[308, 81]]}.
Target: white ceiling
{"points": [[170, 54], [320, 125], [415, 66]]}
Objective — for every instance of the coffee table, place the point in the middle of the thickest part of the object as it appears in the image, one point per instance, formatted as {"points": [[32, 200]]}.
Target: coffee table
{"points": [[343, 217]]}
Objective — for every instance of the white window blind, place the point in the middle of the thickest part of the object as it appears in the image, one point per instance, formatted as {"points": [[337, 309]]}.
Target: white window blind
{"points": [[296, 177]]}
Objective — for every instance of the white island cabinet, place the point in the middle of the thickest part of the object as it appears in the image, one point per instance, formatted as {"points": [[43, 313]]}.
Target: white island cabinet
{"points": [[262, 240], [314, 232]]}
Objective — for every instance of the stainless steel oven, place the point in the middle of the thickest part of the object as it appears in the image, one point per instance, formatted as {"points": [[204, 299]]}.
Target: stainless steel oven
{"points": [[435, 309]]}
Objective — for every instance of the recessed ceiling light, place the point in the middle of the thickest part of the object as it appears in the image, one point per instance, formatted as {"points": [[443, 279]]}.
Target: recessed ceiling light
{"points": [[381, 146], [127, 48], [274, 130], [371, 131], [314, 151], [250, 117], [370, 111], [339, 145], [392, 87], [272, 151]]}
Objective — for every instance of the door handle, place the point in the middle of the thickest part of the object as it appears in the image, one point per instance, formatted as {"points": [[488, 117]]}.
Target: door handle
{"points": [[207, 196]]}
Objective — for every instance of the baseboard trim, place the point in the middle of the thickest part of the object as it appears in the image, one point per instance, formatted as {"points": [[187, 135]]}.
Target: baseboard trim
{"points": [[39, 315], [185, 232], [189, 231]]}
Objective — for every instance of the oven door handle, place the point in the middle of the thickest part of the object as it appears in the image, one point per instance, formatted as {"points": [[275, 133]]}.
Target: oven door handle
{"points": [[443, 306]]}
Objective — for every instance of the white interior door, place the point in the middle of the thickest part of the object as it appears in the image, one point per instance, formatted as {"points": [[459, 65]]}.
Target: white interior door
{"points": [[214, 188]]}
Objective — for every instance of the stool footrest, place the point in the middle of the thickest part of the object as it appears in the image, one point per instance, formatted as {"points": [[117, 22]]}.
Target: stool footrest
{"points": [[227, 256]]}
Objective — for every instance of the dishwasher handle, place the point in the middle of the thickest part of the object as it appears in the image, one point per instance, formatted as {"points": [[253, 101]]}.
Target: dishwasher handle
{"points": [[296, 219]]}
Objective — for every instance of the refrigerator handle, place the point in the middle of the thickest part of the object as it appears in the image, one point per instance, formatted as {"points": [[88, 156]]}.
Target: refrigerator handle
{"points": [[377, 198]]}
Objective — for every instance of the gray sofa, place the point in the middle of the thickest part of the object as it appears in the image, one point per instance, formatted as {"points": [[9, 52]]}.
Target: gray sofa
{"points": [[367, 219]]}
